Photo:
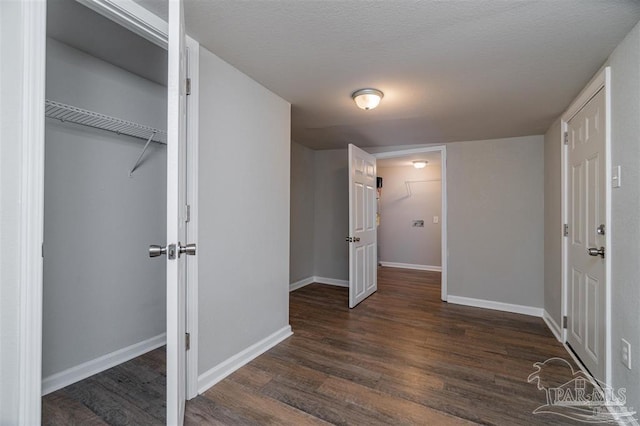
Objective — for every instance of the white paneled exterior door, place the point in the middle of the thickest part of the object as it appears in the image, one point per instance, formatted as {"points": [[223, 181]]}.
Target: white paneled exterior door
{"points": [[176, 223], [587, 284], [362, 239]]}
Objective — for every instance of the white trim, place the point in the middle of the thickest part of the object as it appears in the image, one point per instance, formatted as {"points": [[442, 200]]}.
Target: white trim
{"points": [[602, 81], [193, 72], [553, 325], [443, 176], [33, 37], [564, 213], [301, 283], [134, 17], [331, 281], [318, 280], [100, 364], [225, 368], [411, 266], [496, 306]]}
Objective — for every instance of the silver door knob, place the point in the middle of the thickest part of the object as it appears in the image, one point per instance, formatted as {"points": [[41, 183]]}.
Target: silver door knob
{"points": [[155, 251], [189, 249], [356, 239], [593, 251]]}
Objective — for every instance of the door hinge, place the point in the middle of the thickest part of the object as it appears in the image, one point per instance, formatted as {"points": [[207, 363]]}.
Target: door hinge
{"points": [[565, 320], [566, 230], [187, 213], [188, 86], [42, 251], [187, 341], [566, 138]]}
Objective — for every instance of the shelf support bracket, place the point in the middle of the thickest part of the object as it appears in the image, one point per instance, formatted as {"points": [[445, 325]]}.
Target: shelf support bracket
{"points": [[146, 145]]}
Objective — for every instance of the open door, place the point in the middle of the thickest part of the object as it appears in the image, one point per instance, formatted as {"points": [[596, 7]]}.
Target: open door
{"points": [[362, 239], [176, 224]]}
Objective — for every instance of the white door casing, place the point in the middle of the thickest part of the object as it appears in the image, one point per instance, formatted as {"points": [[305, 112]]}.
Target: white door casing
{"points": [[362, 239], [586, 203], [176, 224]]}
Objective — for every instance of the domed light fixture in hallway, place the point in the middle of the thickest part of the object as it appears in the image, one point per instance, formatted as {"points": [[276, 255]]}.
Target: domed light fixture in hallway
{"points": [[420, 164], [367, 98]]}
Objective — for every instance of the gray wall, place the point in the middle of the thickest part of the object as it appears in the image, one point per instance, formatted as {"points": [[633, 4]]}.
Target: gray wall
{"points": [[553, 223], [398, 240], [331, 255], [244, 169], [101, 290], [301, 249], [496, 220], [625, 210]]}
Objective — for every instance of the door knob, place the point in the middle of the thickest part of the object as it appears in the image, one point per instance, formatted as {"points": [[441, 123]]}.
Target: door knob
{"points": [[593, 251], [189, 249], [155, 251]]}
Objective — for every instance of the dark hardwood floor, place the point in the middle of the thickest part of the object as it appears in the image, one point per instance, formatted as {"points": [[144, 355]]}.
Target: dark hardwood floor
{"points": [[401, 357], [132, 393]]}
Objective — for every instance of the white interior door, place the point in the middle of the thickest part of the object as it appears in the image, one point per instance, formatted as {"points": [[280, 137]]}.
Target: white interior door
{"points": [[586, 316], [362, 239], [176, 225]]}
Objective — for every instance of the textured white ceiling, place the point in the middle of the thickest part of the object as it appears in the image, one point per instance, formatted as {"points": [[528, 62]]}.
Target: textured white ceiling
{"points": [[450, 70]]}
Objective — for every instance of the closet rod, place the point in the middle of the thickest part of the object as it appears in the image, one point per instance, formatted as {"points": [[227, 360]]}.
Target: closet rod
{"points": [[72, 114], [408, 182]]}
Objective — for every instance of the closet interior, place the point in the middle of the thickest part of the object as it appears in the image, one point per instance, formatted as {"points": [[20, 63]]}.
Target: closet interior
{"points": [[104, 299]]}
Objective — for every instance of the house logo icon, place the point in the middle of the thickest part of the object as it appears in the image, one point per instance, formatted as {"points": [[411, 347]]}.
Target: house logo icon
{"points": [[582, 398]]}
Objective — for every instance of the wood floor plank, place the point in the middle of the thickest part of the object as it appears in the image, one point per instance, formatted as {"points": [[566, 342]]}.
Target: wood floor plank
{"points": [[402, 411], [62, 409], [255, 408]]}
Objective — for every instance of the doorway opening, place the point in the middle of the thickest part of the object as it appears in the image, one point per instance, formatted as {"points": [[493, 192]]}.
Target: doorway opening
{"points": [[105, 191], [412, 218]]}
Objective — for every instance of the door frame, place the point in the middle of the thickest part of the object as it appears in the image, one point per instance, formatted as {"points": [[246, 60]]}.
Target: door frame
{"points": [[602, 81], [442, 149], [33, 22]]}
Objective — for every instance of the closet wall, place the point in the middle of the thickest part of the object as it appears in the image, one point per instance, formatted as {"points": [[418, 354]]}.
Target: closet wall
{"points": [[401, 204], [102, 292]]}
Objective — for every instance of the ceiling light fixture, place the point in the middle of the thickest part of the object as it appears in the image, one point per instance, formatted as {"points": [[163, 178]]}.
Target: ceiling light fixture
{"points": [[420, 164], [367, 98]]}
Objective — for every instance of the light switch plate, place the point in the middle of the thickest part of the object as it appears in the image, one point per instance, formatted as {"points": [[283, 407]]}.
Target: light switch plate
{"points": [[616, 177], [625, 353], [436, 219]]}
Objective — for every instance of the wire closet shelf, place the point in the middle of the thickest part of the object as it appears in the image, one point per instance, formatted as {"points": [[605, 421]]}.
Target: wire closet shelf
{"points": [[72, 114]]}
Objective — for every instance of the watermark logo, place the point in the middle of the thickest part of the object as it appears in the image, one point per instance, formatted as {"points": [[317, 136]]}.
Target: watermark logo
{"points": [[582, 398]]}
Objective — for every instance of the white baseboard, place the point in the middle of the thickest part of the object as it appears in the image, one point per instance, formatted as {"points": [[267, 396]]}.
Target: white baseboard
{"points": [[497, 306], [320, 280], [411, 266], [553, 325], [331, 281], [222, 370], [95, 366], [299, 284]]}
